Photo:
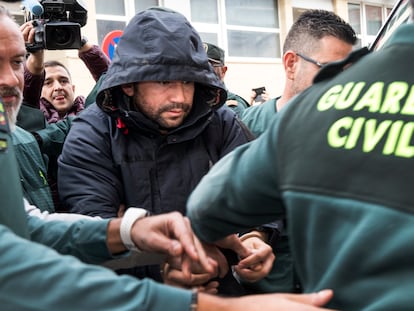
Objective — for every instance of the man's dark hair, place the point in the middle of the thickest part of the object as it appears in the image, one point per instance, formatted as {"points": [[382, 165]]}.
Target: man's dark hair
{"points": [[313, 25], [55, 63]]}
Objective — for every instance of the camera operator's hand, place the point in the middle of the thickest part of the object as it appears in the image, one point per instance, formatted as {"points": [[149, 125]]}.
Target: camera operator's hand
{"points": [[253, 95], [28, 32], [36, 59], [265, 97], [86, 45]]}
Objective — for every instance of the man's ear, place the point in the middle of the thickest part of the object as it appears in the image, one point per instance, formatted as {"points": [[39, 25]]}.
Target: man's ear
{"points": [[128, 89], [289, 62]]}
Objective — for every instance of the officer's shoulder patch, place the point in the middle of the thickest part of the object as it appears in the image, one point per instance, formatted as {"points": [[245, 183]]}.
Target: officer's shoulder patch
{"points": [[3, 144], [4, 127]]}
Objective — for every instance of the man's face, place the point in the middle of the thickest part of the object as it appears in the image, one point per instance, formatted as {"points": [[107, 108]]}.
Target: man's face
{"points": [[331, 49], [165, 102], [12, 57], [58, 89], [219, 69]]}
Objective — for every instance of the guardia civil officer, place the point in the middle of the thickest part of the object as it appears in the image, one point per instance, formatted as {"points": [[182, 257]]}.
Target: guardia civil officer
{"points": [[338, 160]]}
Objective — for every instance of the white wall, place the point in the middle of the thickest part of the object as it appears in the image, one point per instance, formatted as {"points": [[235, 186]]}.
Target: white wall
{"points": [[314, 4], [240, 77]]}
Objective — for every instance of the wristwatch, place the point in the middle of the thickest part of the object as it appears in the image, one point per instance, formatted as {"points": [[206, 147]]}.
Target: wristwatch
{"points": [[131, 215]]}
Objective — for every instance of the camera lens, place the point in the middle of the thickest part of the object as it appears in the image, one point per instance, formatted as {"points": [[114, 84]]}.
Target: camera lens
{"points": [[62, 36]]}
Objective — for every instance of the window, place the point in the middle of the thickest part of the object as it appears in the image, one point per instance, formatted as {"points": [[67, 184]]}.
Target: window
{"points": [[115, 14], [243, 28], [367, 19], [400, 15]]}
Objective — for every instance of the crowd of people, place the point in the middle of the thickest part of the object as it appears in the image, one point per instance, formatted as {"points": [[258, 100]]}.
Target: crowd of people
{"points": [[157, 170]]}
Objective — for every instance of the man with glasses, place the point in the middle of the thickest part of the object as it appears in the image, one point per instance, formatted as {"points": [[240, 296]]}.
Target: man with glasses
{"points": [[338, 161], [216, 58], [316, 38], [35, 277]]}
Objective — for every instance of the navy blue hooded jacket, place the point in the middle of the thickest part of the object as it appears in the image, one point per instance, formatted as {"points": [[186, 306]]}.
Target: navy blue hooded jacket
{"points": [[115, 155]]}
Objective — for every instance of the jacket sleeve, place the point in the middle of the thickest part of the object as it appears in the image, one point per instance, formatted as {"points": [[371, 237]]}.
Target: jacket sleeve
{"points": [[52, 137], [88, 182], [239, 192], [46, 216], [32, 88], [34, 277], [96, 61], [83, 239]]}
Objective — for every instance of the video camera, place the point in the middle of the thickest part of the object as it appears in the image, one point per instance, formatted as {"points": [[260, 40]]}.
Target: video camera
{"points": [[57, 23]]}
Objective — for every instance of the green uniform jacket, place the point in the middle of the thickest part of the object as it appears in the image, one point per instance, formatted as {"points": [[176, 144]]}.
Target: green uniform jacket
{"points": [[339, 161], [236, 103], [281, 278], [259, 118], [35, 277], [32, 169]]}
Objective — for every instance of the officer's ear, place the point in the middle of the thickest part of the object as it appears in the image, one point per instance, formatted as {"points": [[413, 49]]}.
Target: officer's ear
{"points": [[289, 62], [128, 89]]}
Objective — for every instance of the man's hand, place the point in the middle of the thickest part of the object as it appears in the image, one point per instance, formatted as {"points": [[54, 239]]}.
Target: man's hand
{"points": [[268, 302], [199, 277], [35, 61], [259, 263], [172, 234], [28, 32], [201, 281]]}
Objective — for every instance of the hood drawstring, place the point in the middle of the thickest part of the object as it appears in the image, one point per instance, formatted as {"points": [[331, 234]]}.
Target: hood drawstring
{"points": [[121, 125]]}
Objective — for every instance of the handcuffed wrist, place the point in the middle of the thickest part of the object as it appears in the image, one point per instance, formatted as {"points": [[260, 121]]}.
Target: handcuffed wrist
{"points": [[252, 234], [131, 215]]}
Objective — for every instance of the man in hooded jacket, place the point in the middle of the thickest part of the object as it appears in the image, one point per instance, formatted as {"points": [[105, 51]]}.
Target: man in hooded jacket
{"points": [[157, 126]]}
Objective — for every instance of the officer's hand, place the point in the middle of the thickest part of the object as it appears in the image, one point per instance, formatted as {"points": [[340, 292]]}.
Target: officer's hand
{"points": [[172, 234], [259, 263]]}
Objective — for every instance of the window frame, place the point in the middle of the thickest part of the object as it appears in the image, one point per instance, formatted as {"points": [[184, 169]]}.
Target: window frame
{"points": [[129, 6], [221, 31], [364, 38]]}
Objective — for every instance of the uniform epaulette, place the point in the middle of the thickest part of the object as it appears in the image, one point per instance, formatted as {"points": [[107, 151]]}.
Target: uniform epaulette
{"points": [[4, 126]]}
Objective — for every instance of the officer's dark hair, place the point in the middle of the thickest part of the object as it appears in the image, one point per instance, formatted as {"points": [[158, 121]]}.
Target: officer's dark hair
{"points": [[313, 25]]}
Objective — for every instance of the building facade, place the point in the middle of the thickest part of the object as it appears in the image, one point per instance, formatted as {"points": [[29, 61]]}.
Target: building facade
{"points": [[250, 31]]}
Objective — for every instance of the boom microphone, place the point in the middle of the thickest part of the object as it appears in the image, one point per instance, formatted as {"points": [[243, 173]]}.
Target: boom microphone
{"points": [[33, 6]]}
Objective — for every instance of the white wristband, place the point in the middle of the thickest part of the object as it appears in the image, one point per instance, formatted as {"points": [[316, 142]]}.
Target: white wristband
{"points": [[131, 215]]}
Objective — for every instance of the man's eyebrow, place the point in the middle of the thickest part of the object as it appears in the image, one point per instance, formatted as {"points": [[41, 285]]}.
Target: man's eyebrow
{"points": [[20, 55]]}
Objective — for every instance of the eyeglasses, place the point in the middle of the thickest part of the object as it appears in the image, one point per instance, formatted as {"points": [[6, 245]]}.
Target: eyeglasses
{"points": [[310, 60], [215, 64]]}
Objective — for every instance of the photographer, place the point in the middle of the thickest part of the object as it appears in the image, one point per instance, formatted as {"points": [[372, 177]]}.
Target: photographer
{"points": [[48, 85], [49, 94]]}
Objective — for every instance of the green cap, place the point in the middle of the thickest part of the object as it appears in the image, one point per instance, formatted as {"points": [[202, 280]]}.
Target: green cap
{"points": [[214, 53]]}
